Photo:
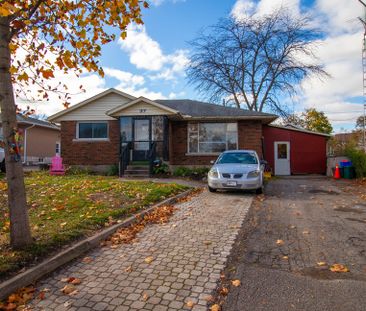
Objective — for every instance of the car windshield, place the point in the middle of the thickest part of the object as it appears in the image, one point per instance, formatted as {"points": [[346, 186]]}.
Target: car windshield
{"points": [[237, 158]]}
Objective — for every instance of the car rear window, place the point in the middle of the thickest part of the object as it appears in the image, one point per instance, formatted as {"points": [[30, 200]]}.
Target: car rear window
{"points": [[237, 158]]}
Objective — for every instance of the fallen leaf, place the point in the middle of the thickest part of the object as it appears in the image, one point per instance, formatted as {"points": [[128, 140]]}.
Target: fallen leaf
{"points": [[285, 257], [209, 298], [280, 242], [67, 304], [68, 289], [63, 224], [224, 291], [190, 304], [87, 260], [215, 307], [128, 269], [338, 268], [207, 242], [305, 232], [145, 297], [149, 259], [321, 263], [75, 281], [236, 283]]}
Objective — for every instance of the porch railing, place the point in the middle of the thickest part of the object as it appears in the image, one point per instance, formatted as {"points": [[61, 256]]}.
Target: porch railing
{"points": [[152, 157], [125, 157]]}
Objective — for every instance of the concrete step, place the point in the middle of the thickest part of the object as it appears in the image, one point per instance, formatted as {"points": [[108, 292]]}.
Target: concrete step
{"points": [[135, 172], [137, 167]]}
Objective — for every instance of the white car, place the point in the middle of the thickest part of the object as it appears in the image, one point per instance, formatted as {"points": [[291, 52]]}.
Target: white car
{"points": [[237, 169]]}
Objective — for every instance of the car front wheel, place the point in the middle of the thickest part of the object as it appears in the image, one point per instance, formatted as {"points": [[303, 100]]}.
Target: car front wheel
{"points": [[211, 189], [2, 166], [259, 190]]}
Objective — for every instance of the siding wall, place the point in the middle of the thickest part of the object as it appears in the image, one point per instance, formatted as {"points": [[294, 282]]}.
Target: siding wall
{"points": [[143, 109], [41, 142], [96, 110]]}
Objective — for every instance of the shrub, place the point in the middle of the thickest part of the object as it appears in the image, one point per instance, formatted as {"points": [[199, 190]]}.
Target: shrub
{"points": [[162, 169], [195, 173], [77, 170], [113, 170], [182, 171], [358, 158]]}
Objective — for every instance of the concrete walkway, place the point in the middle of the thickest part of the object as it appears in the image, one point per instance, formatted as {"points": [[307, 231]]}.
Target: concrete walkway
{"points": [[187, 254]]}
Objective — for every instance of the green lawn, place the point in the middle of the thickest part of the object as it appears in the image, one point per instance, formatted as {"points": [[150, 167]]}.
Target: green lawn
{"points": [[63, 209]]}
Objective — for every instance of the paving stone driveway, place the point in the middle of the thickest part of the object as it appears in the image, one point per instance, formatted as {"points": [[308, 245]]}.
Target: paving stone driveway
{"points": [[189, 252]]}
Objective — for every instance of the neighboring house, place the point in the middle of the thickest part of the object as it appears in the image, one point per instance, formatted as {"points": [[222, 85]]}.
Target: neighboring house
{"points": [[114, 128], [41, 139]]}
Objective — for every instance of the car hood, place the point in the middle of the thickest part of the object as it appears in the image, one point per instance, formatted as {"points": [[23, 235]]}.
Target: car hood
{"points": [[235, 168]]}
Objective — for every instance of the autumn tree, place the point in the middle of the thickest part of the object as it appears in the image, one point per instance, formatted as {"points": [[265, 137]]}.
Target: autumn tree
{"points": [[311, 119], [38, 37], [255, 61]]}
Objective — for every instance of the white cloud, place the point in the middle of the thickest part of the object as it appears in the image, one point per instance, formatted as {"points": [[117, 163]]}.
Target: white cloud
{"points": [[145, 53], [159, 2], [339, 51], [246, 8]]}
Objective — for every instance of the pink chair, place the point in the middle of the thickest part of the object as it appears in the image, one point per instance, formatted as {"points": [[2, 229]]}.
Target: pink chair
{"points": [[57, 167]]}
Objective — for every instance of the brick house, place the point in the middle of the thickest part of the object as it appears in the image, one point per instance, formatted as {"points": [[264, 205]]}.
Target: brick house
{"points": [[116, 128]]}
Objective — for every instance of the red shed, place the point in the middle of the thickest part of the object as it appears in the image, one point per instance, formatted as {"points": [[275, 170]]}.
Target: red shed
{"points": [[292, 150]]}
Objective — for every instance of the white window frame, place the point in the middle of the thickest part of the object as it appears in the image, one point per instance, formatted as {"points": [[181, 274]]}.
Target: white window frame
{"points": [[198, 136], [58, 146], [92, 139]]}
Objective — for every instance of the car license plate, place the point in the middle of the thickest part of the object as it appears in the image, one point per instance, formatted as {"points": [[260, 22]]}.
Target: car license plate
{"points": [[231, 183]]}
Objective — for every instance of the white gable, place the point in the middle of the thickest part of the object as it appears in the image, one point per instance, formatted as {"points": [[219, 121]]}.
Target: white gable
{"points": [[95, 110], [141, 108]]}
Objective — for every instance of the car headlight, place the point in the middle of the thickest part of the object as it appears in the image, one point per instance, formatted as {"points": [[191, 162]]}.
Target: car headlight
{"points": [[253, 174], [213, 173]]}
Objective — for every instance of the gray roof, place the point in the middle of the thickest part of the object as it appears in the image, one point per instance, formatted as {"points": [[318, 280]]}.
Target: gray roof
{"points": [[199, 109], [30, 120]]}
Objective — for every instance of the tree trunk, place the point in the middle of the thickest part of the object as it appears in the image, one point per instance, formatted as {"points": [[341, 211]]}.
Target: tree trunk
{"points": [[20, 235]]}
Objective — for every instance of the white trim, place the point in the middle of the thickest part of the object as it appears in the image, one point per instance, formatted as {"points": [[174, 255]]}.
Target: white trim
{"points": [[275, 146], [122, 107], [291, 128], [87, 101], [90, 138]]}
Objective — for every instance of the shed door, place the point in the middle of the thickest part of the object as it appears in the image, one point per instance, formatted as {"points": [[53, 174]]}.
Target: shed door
{"points": [[282, 157]]}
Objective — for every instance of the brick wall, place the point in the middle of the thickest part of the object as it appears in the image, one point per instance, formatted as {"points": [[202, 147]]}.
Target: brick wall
{"points": [[89, 152], [249, 136]]}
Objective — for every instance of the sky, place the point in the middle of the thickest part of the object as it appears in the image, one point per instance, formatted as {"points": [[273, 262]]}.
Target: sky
{"points": [[151, 62]]}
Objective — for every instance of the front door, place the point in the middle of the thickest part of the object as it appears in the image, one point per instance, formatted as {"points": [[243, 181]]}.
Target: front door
{"points": [[282, 158], [142, 137]]}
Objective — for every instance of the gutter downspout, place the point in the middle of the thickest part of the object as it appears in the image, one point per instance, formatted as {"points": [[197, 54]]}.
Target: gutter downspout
{"points": [[25, 143]]}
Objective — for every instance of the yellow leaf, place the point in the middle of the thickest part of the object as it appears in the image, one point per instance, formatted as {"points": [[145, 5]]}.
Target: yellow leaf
{"points": [[68, 289], [280, 242], [63, 224], [145, 297], [236, 283], [190, 304], [321, 263], [215, 307], [149, 259], [338, 268]]}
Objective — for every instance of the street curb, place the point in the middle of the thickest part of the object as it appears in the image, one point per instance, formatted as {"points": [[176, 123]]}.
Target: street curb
{"points": [[49, 265]]}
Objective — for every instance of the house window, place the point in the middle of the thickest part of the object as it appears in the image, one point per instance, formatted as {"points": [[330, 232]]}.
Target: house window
{"points": [[212, 137], [58, 148], [92, 130]]}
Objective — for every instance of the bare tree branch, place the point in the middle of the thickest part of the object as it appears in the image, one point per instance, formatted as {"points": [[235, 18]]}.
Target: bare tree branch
{"points": [[255, 61]]}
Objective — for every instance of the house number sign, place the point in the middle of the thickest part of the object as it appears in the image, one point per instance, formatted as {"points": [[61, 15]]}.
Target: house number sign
{"points": [[143, 110]]}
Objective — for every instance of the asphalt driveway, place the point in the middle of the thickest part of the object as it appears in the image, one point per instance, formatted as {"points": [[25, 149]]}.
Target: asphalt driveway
{"points": [[290, 239], [175, 266]]}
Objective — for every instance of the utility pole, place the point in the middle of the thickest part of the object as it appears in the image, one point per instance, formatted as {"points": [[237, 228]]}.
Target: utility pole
{"points": [[363, 21]]}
